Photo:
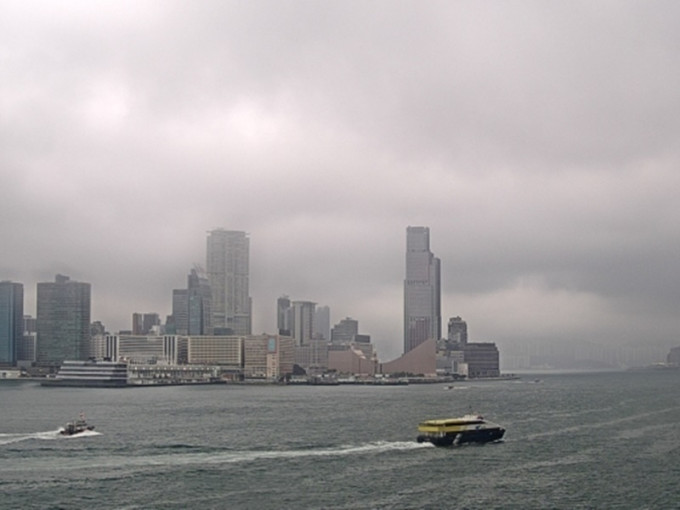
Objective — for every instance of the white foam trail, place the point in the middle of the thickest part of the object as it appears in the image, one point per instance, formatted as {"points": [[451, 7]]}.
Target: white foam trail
{"points": [[368, 448], [15, 438], [48, 435], [84, 433], [101, 463]]}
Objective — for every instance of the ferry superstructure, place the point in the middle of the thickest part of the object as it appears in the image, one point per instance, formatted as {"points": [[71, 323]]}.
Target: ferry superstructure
{"points": [[471, 428], [90, 373]]}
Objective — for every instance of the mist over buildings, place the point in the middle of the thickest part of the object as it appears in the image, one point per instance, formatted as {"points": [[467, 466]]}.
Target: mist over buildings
{"points": [[537, 140]]}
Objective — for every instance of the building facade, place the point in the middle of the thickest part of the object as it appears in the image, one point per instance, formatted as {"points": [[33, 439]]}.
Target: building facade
{"points": [[482, 359], [312, 356], [457, 331], [268, 357], [419, 361], [345, 331], [63, 321], [144, 323], [302, 325], [11, 321], [422, 290], [145, 349], [226, 351], [322, 323], [284, 315], [228, 268], [180, 313]]}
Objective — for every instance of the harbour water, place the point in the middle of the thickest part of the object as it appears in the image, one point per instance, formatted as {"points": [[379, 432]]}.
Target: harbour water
{"points": [[589, 440]]}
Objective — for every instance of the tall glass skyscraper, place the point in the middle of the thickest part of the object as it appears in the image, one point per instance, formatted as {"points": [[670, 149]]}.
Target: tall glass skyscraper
{"points": [[228, 267], [63, 321], [422, 290], [11, 321], [199, 303]]}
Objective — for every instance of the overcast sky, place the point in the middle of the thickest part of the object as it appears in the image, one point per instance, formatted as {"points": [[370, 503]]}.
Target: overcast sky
{"points": [[539, 141]]}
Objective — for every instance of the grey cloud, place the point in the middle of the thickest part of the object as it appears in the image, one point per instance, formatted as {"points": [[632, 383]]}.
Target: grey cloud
{"points": [[538, 140]]}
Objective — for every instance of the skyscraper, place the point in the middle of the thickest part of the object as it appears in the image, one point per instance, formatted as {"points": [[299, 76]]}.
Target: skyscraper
{"points": [[180, 312], [143, 323], [303, 321], [11, 321], [284, 316], [422, 290], [322, 323], [345, 331], [228, 254], [199, 301], [458, 333], [191, 307], [63, 321]]}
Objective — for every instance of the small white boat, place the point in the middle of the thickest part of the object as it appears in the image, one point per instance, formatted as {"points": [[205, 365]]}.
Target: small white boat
{"points": [[76, 426]]}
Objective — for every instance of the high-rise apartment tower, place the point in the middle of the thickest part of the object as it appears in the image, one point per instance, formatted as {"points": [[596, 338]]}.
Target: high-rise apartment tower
{"points": [[63, 321], [11, 321], [422, 290], [228, 254]]}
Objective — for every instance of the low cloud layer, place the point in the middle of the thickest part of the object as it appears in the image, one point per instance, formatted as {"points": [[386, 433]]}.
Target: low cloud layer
{"points": [[537, 140]]}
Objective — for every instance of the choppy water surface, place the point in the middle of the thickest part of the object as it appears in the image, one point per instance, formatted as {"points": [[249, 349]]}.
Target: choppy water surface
{"points": [[606, 440]]}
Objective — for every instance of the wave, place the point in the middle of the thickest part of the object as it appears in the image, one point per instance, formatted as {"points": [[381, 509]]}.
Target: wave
{"points": [[603, 424], [48, 435]]}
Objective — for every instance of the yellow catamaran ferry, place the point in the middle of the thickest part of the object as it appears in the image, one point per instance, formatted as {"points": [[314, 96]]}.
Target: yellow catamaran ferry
{"points": [[471, 428]]}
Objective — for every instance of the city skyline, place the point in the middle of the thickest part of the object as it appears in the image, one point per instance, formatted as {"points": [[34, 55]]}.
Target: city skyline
{"points": [[538, 142]]}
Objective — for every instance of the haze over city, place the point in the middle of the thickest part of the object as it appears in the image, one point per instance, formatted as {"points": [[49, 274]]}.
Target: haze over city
{"points": [[537, 140]]}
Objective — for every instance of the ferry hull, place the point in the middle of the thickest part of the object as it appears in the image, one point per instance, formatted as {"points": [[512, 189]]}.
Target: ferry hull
{"points": [[79, 383], [469, 436]]}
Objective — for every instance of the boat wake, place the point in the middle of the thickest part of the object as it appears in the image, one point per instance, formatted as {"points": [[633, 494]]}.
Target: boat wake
{"points": [[339, 451], [84, 433], [49, 435]]}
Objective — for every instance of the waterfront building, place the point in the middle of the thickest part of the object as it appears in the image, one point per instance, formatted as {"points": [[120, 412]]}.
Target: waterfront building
{"points": [[11, 321], [98, 344], [482, 359], [421, 360], [312, 356], [160, 375], [267, 357], [26, 350], [451, 362], [353, 360], [146, 349], [63, 321], [422, 290], [457, 331], [226, 351], [228, 260]]}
